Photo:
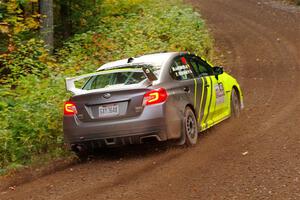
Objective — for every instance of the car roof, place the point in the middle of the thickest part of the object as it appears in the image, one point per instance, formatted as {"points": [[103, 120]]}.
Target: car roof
{"points": [[155, 59]]}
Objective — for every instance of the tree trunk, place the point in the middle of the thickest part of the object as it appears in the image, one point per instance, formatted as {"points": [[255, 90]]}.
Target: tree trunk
{"points": [[47, 27]]}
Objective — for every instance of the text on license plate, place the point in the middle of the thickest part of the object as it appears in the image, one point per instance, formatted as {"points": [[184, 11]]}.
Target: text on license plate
{"points": [[108, 110]]}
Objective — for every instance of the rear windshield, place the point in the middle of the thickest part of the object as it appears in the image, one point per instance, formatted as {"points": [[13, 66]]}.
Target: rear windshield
{"points": [[114, 79]]}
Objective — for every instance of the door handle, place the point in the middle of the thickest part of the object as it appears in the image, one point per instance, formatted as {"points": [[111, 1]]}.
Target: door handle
{"points": [[186, 89], [206, 85]]}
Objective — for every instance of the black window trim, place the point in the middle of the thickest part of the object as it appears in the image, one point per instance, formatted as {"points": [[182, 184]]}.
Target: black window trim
{"points": [[205, 64], [179, 56]]}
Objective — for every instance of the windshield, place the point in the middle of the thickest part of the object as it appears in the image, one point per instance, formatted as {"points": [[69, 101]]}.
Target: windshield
{"points": [[114, 79]]}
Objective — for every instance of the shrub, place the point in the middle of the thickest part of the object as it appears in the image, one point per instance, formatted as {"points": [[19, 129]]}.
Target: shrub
{"points": [[31, 119], [169, 28], [29, 57]]}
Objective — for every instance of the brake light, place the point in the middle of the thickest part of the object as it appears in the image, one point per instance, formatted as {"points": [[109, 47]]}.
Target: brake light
{"points": [[70, 108], [155, 96]]}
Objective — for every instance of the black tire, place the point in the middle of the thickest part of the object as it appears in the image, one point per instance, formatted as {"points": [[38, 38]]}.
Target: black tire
{"points": [[82, 152], [82, 156], [190, 128], [235, 104]]}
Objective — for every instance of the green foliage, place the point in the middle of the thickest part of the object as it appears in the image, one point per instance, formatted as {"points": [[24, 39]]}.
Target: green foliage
{"points": [[13, 20], [121, 7], [169, 28], [29, 57], [77, 14], [17, 23], [32, 87], [30, 116]]}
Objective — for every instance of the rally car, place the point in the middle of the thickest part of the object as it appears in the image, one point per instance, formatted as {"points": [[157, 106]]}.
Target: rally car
{"points": [[160, 96]]}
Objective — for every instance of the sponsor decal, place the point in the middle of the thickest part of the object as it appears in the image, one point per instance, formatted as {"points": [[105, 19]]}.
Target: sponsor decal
{"points": [[220, 94], [182, 70]]}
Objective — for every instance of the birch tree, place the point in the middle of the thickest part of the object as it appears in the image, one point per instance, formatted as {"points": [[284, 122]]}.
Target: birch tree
{"points": [[47, 23]]}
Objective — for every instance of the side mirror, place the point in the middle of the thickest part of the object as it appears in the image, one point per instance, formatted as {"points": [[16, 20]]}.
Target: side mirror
{"points": [[217, 71]]}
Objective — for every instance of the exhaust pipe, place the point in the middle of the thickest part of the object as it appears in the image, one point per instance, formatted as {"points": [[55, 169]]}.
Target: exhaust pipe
{"points": [[78, 148], [81, 151]]}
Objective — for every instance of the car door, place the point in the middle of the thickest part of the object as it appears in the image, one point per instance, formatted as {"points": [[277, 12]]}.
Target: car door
{"points": [[207, 98], [221, 105], [183, 74], [217, 105]]}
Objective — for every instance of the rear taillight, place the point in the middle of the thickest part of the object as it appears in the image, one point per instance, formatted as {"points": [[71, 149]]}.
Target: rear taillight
{"points": [[70, 108], [155, 96]]}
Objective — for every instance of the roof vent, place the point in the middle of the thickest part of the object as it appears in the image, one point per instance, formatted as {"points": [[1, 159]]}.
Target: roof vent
{"points": [[130, 60]]}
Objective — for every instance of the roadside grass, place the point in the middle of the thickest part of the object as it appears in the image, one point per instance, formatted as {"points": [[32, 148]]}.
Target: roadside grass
{"points": [[31, 99]]}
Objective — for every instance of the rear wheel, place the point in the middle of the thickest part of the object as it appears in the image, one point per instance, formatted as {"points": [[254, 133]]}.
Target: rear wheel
{"points": [[190, 130], [235, 104]]}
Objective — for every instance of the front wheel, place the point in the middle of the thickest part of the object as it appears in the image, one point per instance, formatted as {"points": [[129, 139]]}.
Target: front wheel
{"points": [[235, 104]]}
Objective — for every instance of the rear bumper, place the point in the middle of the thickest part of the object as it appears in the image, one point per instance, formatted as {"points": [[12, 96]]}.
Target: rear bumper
{"points": [[151, 123]]}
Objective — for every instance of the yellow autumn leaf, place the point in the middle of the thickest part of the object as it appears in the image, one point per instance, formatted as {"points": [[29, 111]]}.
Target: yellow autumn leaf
{"points": [[11, 6], [31, 23], [18, 28], [43, 57], [4, 28]]}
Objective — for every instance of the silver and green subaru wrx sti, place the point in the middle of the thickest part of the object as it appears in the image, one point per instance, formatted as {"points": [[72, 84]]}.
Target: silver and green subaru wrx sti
{"points": [[160, 96]]}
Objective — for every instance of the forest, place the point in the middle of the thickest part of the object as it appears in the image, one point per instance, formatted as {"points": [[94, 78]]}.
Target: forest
{"points": [[44, 41]]}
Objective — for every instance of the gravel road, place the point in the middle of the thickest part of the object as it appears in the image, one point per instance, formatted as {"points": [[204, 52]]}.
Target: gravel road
{"points": [[254, 157]]}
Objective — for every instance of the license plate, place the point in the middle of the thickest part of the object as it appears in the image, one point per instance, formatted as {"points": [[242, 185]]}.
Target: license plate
{"points": [[108, 110]]}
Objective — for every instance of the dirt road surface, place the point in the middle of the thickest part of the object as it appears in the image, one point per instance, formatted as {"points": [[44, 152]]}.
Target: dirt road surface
{"points": [[254, 157]]}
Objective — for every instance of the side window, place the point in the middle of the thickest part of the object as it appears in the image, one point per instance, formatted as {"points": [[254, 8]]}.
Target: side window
{"points": [[180, 69], [203, 69], [194, 66]]}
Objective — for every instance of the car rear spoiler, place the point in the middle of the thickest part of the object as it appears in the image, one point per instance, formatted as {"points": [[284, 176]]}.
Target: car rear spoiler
{"points": [[70, 81]]}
